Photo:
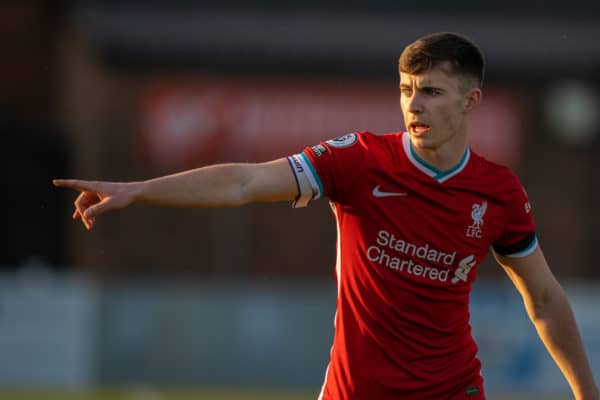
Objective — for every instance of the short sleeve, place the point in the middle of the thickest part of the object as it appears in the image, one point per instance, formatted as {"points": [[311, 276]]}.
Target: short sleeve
{"points": [[328, 168], [518, 238]]}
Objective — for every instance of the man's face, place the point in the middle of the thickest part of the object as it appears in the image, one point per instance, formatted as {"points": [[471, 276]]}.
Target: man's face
{"points": [[434, 105]]}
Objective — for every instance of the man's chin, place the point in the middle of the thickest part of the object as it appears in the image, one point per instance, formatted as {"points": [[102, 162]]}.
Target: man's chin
{"points": [[422, 142]]}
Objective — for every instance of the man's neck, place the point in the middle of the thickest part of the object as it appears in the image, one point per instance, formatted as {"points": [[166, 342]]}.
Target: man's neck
{"points": [[444, 157]]}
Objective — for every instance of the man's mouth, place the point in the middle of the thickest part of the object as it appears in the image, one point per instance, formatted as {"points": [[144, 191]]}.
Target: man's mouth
{"points": [[418, 128]]}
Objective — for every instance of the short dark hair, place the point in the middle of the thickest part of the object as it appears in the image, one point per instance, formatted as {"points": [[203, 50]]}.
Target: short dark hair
{"points": [[429, 51]]}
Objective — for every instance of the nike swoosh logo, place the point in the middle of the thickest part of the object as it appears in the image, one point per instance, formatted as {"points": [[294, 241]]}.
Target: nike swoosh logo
{"points": [[378, 193]]}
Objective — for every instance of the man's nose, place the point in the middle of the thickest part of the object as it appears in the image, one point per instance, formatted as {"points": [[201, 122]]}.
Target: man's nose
{"points": [[415, 103]]}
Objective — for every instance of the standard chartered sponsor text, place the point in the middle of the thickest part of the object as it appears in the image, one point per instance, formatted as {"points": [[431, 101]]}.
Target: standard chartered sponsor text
{"points": [[380, 253]]}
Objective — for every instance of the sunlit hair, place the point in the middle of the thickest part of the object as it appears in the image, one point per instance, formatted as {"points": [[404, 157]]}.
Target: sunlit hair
{"points": [[463, 56]]}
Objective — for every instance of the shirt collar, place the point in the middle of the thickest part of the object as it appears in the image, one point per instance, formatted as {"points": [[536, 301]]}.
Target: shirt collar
{"points": [[430, 170]]}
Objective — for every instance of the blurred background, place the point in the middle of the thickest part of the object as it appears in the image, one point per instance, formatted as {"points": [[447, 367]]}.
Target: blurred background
{"points": [[156, 303]]}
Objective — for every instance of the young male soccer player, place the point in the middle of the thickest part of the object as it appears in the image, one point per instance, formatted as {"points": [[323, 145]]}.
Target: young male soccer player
{"points": [[416, 212]]}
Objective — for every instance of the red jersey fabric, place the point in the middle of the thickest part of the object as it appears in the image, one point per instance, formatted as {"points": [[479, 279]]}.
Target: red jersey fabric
{"points": [[410, 238]]}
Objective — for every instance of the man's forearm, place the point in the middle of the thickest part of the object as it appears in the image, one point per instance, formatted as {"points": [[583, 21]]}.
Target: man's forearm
{"points": [[558, 331], [213, 186]]}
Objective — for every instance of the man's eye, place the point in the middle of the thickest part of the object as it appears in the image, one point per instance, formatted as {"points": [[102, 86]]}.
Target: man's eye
{"points": [[433, 92], [405, 91]]}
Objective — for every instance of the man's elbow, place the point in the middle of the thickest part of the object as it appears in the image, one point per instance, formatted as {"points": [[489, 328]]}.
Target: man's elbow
{"points": [[239, 188], [547, 304]]}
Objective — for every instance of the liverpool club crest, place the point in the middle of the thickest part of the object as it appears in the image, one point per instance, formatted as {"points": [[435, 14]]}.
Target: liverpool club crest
{"points": [[477, 213]]}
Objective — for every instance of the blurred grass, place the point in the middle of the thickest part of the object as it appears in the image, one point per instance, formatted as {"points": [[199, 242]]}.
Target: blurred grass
{"points": [[155, 394]]}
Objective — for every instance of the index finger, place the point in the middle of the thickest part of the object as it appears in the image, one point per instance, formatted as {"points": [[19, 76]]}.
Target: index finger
{"points": [[73, 184]]}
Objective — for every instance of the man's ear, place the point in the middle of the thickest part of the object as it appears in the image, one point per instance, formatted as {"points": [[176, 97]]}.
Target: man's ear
{"points": [[473, 97]]}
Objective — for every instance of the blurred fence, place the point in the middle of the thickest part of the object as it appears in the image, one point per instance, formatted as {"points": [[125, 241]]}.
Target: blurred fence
{"points": [[59, 331]]}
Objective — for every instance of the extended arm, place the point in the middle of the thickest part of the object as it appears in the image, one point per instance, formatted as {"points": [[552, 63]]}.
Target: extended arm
{"points": [[223, 185], [551, 313]]}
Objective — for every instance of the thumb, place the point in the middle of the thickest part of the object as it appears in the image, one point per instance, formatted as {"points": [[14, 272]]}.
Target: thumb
{"points": [[106, 204]]}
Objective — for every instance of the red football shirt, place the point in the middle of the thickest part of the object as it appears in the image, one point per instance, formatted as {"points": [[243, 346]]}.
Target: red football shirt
{"points": [[410, 238]]}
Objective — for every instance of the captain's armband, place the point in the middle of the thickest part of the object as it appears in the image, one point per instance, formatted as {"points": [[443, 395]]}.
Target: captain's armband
{"points": [[307, 180]]}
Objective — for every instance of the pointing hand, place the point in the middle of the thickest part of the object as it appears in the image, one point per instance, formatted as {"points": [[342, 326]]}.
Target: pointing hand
{"points": [[96, 198]]}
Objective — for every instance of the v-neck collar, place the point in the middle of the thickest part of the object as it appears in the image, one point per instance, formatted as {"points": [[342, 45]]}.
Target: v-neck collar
{"points": [[428, 169]]}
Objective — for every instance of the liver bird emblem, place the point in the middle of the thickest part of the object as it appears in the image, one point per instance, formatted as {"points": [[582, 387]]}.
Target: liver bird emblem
{"points": [[477, 213]]}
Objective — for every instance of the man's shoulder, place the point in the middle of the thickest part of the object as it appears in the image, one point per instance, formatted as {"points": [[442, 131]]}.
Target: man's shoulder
{"points": [[380, 137], [366, 142], [388, 142], [500, 176], [487, 165]]}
